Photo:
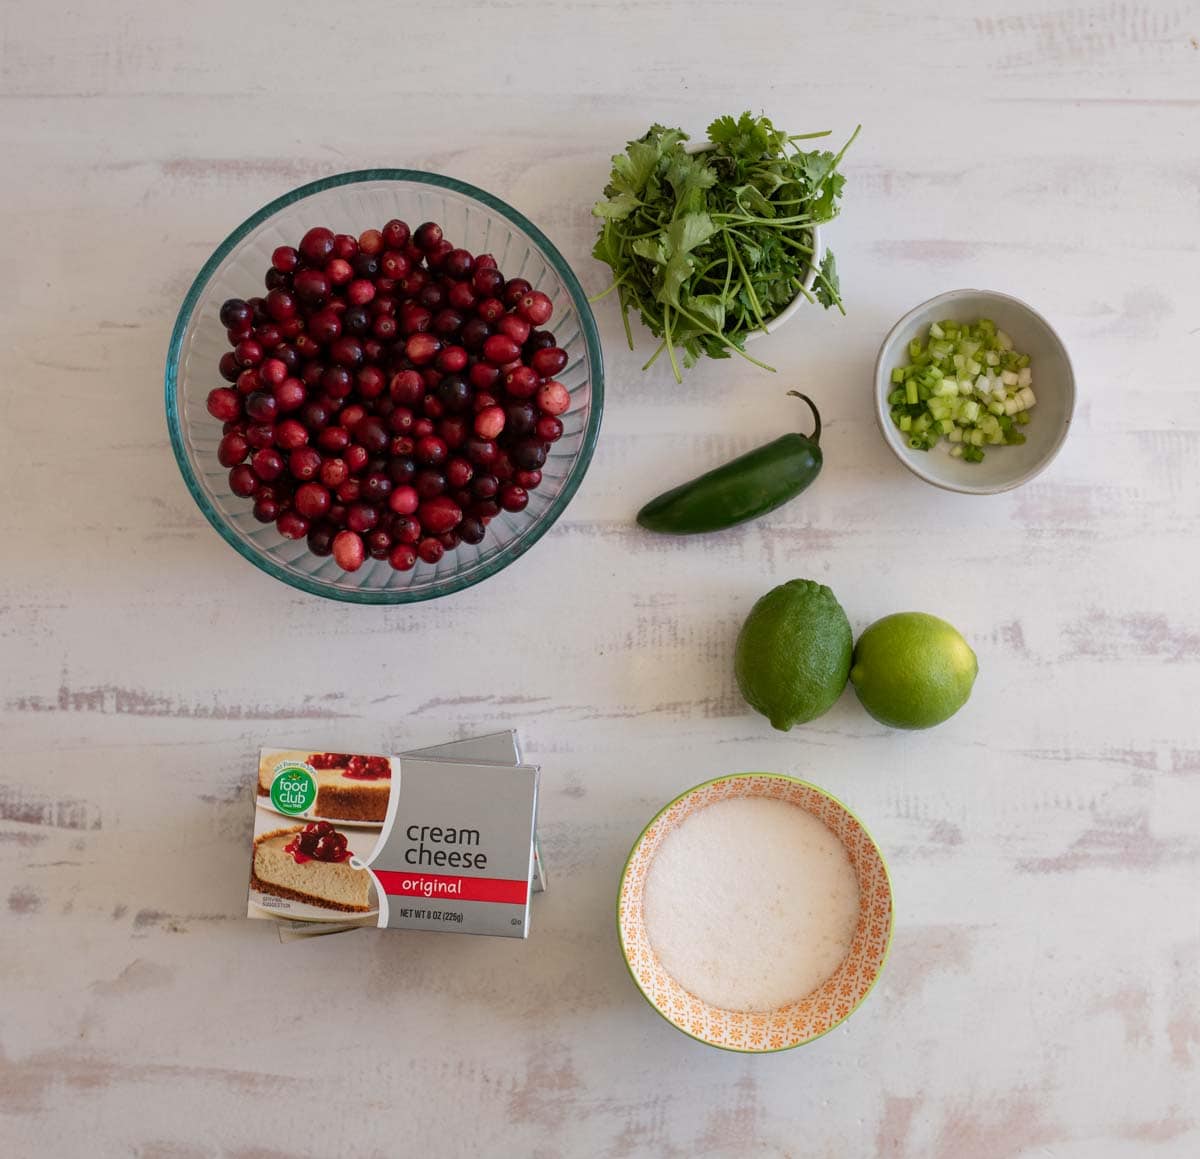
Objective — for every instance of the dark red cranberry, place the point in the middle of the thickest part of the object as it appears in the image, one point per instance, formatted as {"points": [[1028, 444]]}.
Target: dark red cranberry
{"points": [[345, 246], [458, 263], [447, 322], [513, 498], [312, 287], [379, 544], [401, 419], [232, 450], [268, 336], [402, 557], [535, 307], [366, 265], [452, 360], [491, 310], [362, 517], [347, 351], [486, 509], [499, 349], [396, 234], [228, 366], [474, 333], [356, 320], [292, 525], [515, 328], [401, 468], [450, 540], [348, 550], [248, 353], [483, 375], [261, 407], [235, 314], [413, 283], [453, 393], [267, 464], [349, 492], [260, 435], [312, 500], [436, 256], [429, 482], [372, 351], [285, 259], [339, 271], [471, 529], [540, 340], [337, 382], [248, 382], [371, 382], [430, 550], [432, 296], [406, 529], [394, 264], [404, 500], [422, 349], [520, 418], [502, 467], [481, 452], [304, 463], [431, 376], [224, 404], [370, 242], [487, 281], [320, 539], [290, 434], [290, 394], [485, 486], [315, 415], [415, 319], [316, 246], [530, 480], [548, 362], [376, 487], [325, 326], [461, 297], [258, 308], [548, 429], [289, 356], [370, 432], [266, 508], [515, 290], [421, 428], [360, 291], [459, 472], [356, 458], [431, 450], [306, 346], [333, 439], [521, 382], [428, 235], [334, 473], [281, 305], [528, 455], [385, 328]]}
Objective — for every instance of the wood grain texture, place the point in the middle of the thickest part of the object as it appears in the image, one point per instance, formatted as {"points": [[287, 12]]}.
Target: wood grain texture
{"points": [[1041, 998]]}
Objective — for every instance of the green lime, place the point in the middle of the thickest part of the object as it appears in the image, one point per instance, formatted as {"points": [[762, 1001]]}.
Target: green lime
{"points": [[912, 670], [793, 653]]}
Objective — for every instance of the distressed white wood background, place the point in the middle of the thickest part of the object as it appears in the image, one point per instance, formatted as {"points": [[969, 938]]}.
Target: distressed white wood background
{"points": [[1041, 998]]}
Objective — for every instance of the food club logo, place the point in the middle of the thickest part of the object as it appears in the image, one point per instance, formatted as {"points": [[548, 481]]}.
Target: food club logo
{"points": [[294, 788]]}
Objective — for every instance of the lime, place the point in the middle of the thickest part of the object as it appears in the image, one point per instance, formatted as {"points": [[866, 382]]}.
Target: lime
{"points": [[793, 653], [912, 670]]}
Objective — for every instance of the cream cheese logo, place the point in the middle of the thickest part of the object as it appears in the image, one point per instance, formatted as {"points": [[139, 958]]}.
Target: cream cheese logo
{"points": [[294, 788]]}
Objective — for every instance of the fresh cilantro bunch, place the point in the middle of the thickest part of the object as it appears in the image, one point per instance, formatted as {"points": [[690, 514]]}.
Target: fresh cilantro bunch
{"points": [[708, 247]]}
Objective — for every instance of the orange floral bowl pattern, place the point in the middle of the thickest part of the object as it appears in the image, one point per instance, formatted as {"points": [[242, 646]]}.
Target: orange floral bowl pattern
{"points": [[799, 1022]]}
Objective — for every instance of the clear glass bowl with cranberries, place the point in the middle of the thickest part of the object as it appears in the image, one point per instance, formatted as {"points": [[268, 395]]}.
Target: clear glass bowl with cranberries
{"points": [[384, 386]]}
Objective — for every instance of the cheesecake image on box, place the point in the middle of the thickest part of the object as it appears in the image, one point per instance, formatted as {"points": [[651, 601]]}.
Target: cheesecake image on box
{"points": [[310, 864], [350, 787]]}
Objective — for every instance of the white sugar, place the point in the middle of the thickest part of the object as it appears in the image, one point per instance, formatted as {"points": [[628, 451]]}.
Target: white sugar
{"points": [[751, 903]]}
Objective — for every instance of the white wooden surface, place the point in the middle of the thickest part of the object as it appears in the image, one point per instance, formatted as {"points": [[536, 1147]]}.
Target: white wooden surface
{"points": [[1041, 998]]}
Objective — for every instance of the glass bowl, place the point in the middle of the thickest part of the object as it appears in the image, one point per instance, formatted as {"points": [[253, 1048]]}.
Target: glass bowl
{"points": [[350, 203]]}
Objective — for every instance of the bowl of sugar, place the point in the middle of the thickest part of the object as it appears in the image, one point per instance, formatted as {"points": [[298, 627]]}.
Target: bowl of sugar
{"points": [[755, 912]]}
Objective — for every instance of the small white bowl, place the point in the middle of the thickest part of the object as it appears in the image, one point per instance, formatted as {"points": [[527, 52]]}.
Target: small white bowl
{"points": [[1003, 468], [789, 311]]}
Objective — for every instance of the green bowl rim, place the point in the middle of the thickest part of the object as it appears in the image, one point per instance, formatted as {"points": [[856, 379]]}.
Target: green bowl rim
{"points": [[887, 949], [506, 555]]}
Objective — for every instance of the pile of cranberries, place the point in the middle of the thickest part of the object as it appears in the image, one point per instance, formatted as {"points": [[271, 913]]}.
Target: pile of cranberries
{"points": [[318, 841], [389, 395]]}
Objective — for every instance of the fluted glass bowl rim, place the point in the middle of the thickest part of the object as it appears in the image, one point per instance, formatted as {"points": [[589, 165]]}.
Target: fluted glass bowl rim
{"points": [[508, 553]]}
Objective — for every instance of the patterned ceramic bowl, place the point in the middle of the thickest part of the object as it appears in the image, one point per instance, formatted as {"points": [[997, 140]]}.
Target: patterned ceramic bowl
{"points": [[352, 202], [798, 1022]]}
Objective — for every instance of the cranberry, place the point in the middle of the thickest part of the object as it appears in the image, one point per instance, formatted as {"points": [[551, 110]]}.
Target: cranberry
{"points": [[485, 486], [446, 323], [440, 252], [304, 463], [401, 468], [379, 544], [452, 360], [421, 428], [530, 480], [406, 529], [316, 246], [499, 348], [360, 291], [487, 281], [356, 458], [474, 333], [459, 472], [312, 287], [320, 539], [312, 500], [515, 290], [483, 375], [471, 529], [248, 353], [553, 398], [395, 265], [348, 551], [396, 234], [232, 450], [290, 434], [513, 498], [502, 467], [454, 394], [414, 282], [267, 464], [489, 422], [431, 450], [350, 491], [281, 305], [224, 404], [522, 382], [548, 429], [325, 327], [258, 309], [362, 517], [430, 550], [235, 314], [528, 455], [481, 452], [536, 307], [422, 349], [347, 351], [306, 346], [337, 515], [458, 263], [289, 356], [400, 419], [228, 367], [461, 296], [449, 540], [432, 296], [406, 388], [402, 557], [339, 271], [453, 431], [337, 382], [268, 337], [290, 394], [371, 382], [429, 482], [371, 433], [333, 439], [376, 487], [385, 328], [366, 265], [520, 418], [515, 328], [345, 246], [370, 242], [260, 435], [486, 509], [261, 407], [428, 235], [548, 362], [266, 508], [482, 401], [292, 525], [334, 472], [404, 500], [248, 382], [490, 310]]}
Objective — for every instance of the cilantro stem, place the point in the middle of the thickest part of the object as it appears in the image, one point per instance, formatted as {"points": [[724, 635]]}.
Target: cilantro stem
{"points": [[729, 345], [654, 357], [746, 282], [670, 343]]}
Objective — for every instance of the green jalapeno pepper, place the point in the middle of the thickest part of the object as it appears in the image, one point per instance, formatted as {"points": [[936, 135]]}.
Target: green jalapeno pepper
{"points": [[749, 486]]}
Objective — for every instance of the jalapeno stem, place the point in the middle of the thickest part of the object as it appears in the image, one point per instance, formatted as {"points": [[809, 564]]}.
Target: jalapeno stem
{"points": [[815, 437]]}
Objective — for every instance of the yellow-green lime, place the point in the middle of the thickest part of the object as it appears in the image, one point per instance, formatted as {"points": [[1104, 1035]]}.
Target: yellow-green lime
{"points": [[793, 653], [912, 670]]}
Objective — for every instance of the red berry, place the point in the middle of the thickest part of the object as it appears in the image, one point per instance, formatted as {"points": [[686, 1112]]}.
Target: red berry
{"points": [[285, 259], [290, 394], [439, 515], [430, 450], [243, 481], [402, 557], [513, 498], [452, 359], [304, 463], [248, 353], [490, 310], [339, 271], [312, 287], [292, 525], [548, 361], [535, 307], [548, 429], [499, 349], [232, 450], [362, 517], [553, 398], [316, 246], [267, 464], [515, 328], [489, 422], [404, 500], [428, 236], [290, 434], [360, 291], [406, 388], [515, 290], [422, 348], [356, 458], [521, 382], [530, 480], [334, 472], [348, 551], [224, 404], [312, 500], [370, 242], [333, 439], [430, 550]]}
